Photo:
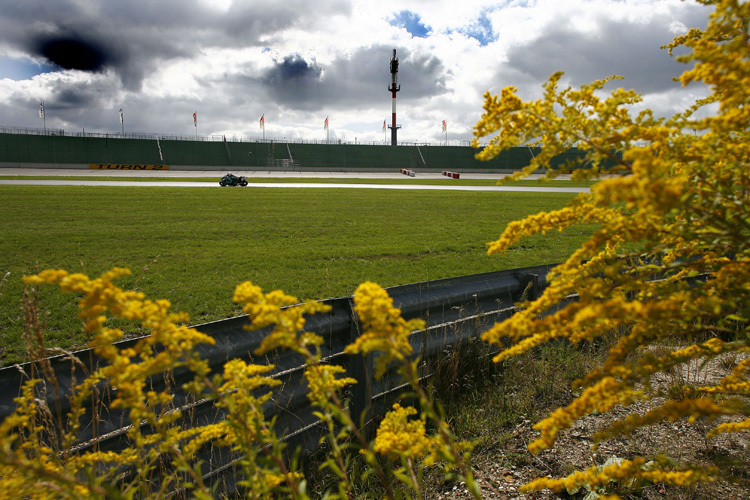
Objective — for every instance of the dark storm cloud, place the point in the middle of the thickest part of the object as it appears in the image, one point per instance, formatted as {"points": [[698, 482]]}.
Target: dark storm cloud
{"points": [[133, 37], [628, 49], [93, 39], [77, 97], [293, 70], [360, 79], [73, 99], [294, 82], [75, 53], [421, 75], [72, 105]]}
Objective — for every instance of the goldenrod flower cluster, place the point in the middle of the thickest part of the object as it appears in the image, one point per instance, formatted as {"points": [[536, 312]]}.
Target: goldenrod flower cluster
{"points": [[400, 436], [276, 308], [622, 472], [168, 450], [49, 457], [322, 381], [130, 367], [24, 458], [668, 264], [385, 331]]}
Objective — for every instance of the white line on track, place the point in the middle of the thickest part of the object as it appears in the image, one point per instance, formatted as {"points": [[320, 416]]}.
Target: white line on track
{"points": [[427, 187]]}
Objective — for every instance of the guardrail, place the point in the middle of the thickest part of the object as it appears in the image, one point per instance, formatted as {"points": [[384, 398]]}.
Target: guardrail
{"points": [[455, 310]]}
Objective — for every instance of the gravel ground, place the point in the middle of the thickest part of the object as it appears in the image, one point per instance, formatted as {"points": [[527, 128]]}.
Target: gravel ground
{"points": [[507, 469]]}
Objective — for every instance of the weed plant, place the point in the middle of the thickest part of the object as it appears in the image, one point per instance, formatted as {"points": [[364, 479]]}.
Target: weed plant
{"points": [[42, 455], [484, 400]]}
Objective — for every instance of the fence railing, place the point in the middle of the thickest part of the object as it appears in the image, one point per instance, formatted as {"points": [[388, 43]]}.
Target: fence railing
{"points": [[215, 138], [455, 310]]}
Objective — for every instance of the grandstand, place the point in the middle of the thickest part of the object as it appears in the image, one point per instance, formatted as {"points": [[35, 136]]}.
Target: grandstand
{"points": [[55, 149]]}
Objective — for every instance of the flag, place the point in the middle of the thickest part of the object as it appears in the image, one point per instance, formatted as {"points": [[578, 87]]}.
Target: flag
{"points": [[262, 122], [120, 115], [325, 124], [195, 118], [41, 110], [383, 125], [445, 126]]}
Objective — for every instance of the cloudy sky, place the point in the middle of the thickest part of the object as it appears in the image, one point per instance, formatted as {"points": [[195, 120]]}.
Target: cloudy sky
{"points": [[296, 62]]}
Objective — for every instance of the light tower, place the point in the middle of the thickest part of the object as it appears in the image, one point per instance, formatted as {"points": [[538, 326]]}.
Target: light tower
{"points": [[393, 88]]}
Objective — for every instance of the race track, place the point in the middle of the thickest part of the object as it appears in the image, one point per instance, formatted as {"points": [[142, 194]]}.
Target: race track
{"points": [[255, 175]]}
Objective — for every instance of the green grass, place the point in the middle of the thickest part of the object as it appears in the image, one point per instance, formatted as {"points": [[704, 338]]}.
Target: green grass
{"points": [[261, 180], [194, 246]]}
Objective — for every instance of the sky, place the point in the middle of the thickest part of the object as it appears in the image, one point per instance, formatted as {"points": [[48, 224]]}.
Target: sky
{"points": [[298, 62]]}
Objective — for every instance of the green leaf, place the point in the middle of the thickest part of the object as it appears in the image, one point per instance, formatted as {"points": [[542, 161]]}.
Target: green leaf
{"points": [[402, 476]]}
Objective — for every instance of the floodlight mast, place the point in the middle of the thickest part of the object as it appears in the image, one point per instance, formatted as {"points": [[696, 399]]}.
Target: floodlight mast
{"points": [[393, 88]]}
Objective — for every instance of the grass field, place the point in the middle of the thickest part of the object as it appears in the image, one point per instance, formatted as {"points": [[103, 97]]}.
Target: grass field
{"points": [[192, 246]]}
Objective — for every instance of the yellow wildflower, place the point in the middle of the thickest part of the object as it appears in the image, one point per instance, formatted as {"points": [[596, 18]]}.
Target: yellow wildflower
{"points": [[399, 436], [669, 258], [276, 308], [322, 382], [385, 330]]}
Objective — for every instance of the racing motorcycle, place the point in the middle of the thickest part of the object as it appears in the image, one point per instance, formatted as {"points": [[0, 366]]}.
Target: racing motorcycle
{"points": [[233, 180]]}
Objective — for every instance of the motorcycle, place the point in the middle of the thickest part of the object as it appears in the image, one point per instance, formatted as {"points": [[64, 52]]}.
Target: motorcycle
{"points": [[233, 180]]}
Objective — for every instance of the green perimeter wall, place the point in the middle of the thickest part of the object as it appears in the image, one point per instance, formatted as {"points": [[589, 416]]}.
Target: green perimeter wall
{"points": [[61, 150]]}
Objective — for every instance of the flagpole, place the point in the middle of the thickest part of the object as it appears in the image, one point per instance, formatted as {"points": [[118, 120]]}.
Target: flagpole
{"points": [[122, 122]]}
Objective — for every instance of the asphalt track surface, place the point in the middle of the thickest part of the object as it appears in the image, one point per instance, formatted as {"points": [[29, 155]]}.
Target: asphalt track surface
{"points": [[256, 175]]}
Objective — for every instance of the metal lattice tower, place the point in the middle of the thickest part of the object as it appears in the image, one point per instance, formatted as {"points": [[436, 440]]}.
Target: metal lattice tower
{"points": [[393, 88]]}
